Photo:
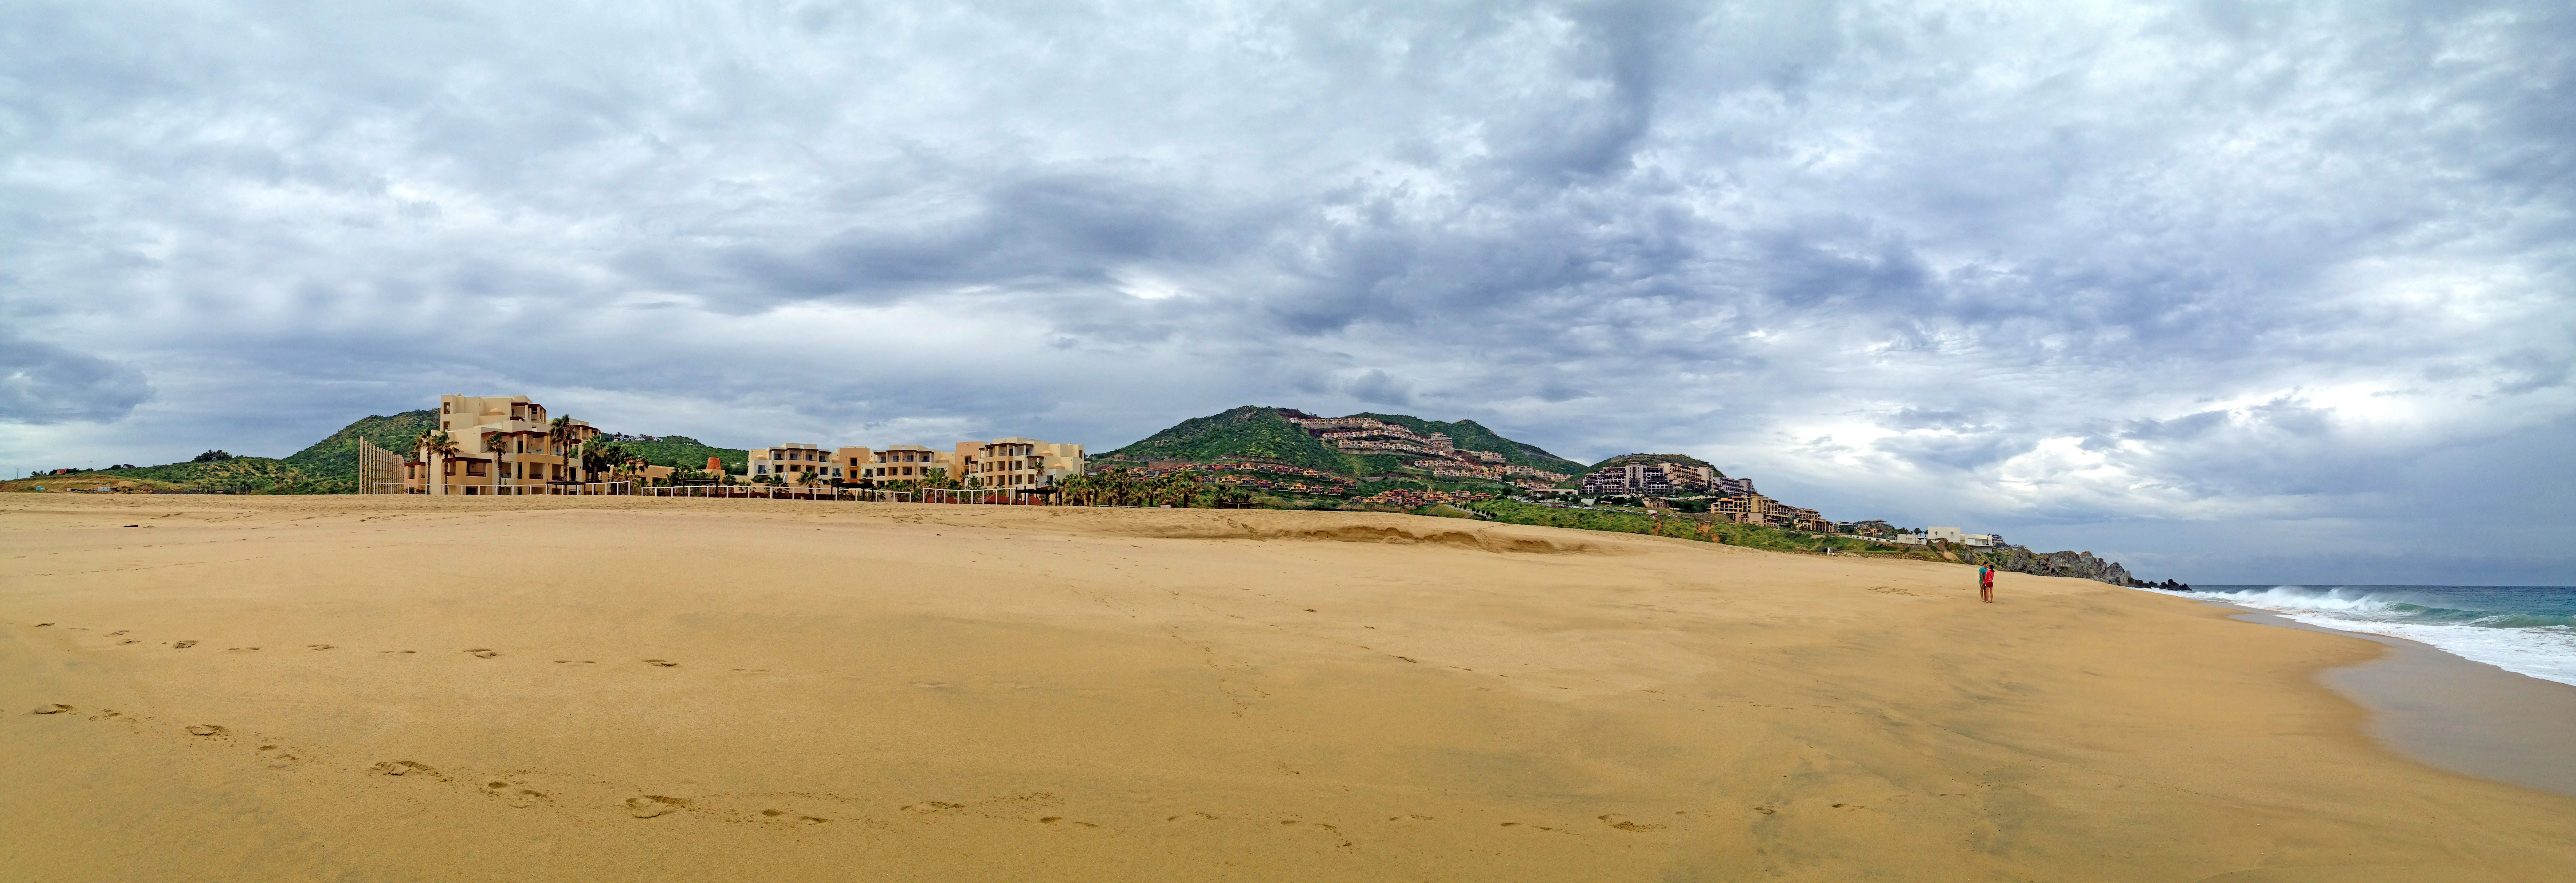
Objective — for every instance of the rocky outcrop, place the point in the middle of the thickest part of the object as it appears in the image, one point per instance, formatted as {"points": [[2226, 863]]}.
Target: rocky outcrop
{"points": [[2081, 565]]}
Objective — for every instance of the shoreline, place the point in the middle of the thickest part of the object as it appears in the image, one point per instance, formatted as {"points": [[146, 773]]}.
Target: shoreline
{"points": [[2451, 712]]}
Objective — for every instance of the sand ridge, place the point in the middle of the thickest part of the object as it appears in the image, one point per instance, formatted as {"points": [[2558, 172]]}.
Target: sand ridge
{"points": [[408, 688]]}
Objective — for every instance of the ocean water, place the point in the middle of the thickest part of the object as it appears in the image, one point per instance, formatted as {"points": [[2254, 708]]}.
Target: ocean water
{"points": [[2525, 629]]}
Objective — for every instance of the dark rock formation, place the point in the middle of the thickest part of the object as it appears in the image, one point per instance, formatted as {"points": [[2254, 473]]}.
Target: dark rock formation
{"points": [[2081, 565]]}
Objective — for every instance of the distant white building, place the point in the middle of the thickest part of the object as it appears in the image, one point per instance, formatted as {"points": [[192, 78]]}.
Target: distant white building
{"points": [[1952, 534]]}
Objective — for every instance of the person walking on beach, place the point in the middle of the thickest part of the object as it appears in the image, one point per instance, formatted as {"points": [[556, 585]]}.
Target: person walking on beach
{"points": [[1986, 583]]}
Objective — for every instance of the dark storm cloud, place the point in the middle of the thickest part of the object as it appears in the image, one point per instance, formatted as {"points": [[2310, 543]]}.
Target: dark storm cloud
{"points": [[2038, 264]]}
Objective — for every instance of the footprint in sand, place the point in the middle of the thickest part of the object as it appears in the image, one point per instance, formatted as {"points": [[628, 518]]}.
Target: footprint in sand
{"points": [[404, 768], [56, 708], [651, 805], [129, 641], [662, 663], [239, 649], [318, 646], [279, 758], [484, 652], [1620, 822], [207, 730], [521, 798], [116, 633], [183, 645]]}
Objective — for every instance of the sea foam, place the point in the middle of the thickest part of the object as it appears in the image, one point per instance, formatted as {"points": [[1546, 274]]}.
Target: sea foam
{"points": [[2521, 630]]}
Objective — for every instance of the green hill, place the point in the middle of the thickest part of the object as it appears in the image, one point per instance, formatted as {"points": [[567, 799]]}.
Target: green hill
{"points": [[238, 475], [1248, 431], [1261, 433], [687, 453], [329, 466], [333, 461]]}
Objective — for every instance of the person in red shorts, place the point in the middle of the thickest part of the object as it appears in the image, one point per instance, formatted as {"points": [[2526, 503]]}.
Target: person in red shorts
{"points": [[1986, 583]]}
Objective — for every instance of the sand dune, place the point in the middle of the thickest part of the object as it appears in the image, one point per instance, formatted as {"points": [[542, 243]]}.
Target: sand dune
{"points": [[395, 689]]}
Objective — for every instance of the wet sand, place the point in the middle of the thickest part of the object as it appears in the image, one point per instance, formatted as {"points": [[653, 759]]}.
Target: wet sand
{"points": [[467, 689], [2467, 717]]}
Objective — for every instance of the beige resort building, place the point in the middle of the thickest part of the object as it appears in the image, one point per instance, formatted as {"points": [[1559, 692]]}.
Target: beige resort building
{"points": [[1004, 463], [502, 446]]}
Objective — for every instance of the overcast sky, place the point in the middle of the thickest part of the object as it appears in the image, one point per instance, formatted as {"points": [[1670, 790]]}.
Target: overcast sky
{"points": [[2232, 292]]}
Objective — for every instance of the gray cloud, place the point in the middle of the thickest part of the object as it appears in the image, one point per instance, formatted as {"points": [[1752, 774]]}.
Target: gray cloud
{"points": [[44, 383], [2033, 266]]}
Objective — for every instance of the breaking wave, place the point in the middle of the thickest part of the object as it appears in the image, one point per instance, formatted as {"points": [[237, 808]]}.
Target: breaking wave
{"points": [[2528, 630]]}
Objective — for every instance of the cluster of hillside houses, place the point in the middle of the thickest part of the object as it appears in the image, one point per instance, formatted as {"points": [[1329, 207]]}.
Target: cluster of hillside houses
{"points": [[1436, 452], [1729, 499]]}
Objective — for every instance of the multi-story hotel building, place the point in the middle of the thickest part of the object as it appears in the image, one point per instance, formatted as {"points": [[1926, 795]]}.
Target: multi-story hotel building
{"points": [[501, 442], [802, 463], [1005, 463], [1021, 463], [1762, 511], [1653, 479]]}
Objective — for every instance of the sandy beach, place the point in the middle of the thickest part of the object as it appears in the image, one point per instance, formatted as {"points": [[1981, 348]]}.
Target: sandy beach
{"points": [[310, 688]]}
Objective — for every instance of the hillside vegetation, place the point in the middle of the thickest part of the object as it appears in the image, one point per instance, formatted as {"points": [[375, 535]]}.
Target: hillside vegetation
{"points": [[237, 475], [333, 461], [687, 453], [1745, 535], [1260, 433], [1249, 431]]}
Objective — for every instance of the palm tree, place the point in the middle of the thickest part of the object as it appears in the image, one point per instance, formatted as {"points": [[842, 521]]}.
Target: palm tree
{"points": [[493, 443], [598, 454], [1230, 495], [559, 433], [420, 450], [434, 446]]}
